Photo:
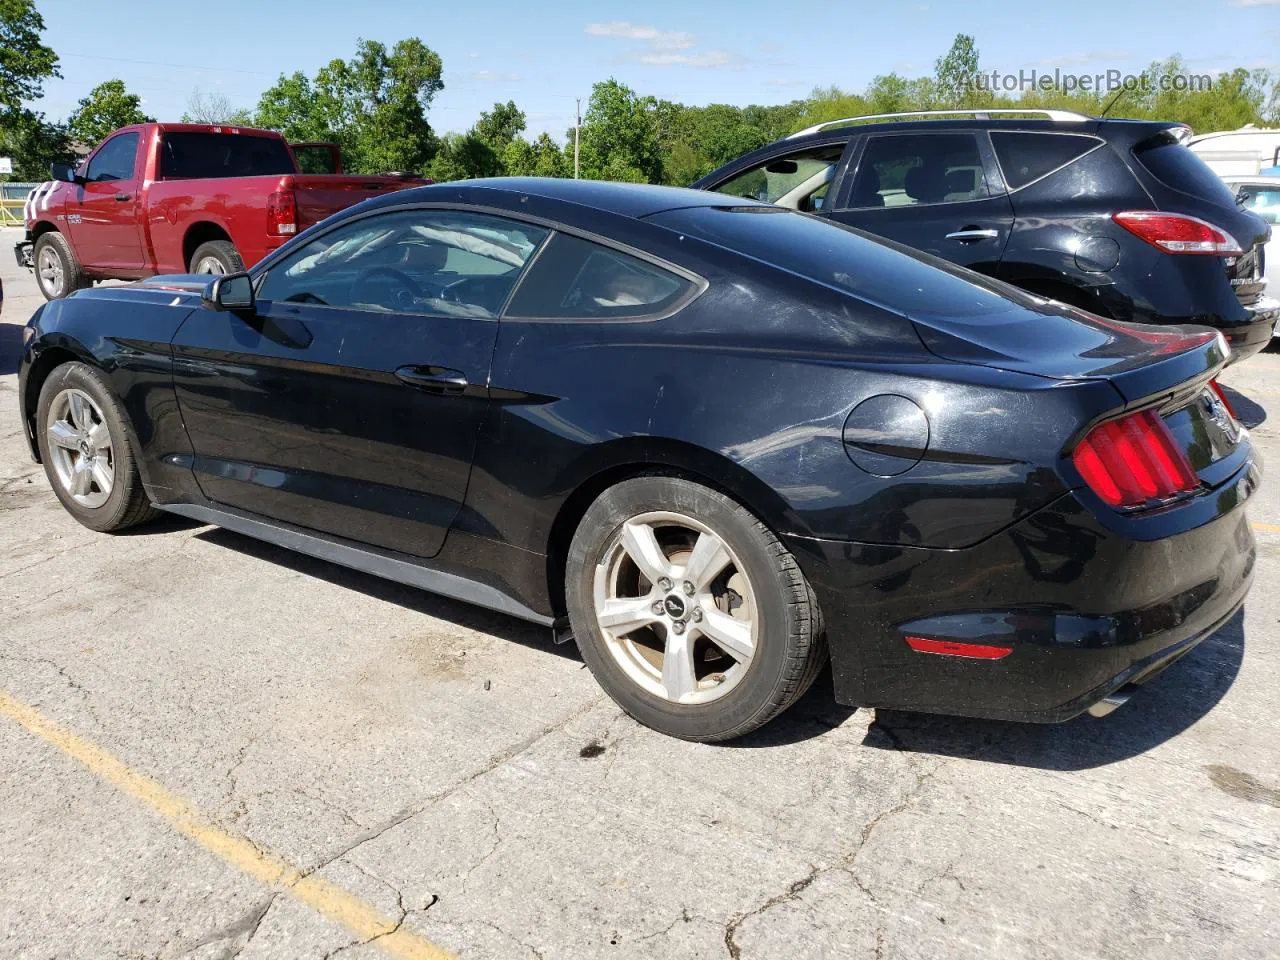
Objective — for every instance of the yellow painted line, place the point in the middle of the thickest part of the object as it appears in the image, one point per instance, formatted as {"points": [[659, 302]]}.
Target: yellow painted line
{"points": [[1265, 527], [327, 899]]}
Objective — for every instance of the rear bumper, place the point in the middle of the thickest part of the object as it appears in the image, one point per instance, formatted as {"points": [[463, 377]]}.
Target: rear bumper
{"points": [[1083, 609], [1249, 338]]}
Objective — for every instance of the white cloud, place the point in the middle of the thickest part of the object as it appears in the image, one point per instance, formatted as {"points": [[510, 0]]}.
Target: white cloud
{"points": [[662, 48], [658, 39], [1255, 3], [473, 55], [493, 76], [782, 82]]}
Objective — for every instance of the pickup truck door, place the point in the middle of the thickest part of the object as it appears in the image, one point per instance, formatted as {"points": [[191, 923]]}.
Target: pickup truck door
{"points": [[350, 400], [939, 191], [104, 213]]}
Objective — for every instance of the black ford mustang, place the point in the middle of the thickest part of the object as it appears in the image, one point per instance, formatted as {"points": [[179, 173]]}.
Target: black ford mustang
{"points": [[717, 441]]}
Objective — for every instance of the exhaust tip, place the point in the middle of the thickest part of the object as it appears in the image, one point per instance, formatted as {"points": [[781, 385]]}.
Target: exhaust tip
{"points": [[1112, 701]]}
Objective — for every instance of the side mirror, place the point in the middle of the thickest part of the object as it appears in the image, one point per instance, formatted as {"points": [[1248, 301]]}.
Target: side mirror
{"points": [[64, 172], [231, 292]]}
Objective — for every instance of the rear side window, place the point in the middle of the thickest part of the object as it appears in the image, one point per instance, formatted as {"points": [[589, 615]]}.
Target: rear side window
{"points": [[1025, 157], [576, 279], [192, 156], [906, 170], [1264, 201], [115, 159], [1179, 169]]}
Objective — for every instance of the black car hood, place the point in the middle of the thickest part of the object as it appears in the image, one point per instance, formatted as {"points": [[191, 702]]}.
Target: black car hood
{"points": [[1065, 343]]}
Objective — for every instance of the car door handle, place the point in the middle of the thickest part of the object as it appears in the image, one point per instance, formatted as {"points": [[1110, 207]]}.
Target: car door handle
{"points": [[433, 379], [968, 234], [123, 197]]}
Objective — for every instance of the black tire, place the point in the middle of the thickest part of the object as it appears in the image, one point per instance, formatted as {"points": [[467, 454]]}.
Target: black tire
{"points": [[127, 503], [790, 649], [54, 244], [222, 251]]}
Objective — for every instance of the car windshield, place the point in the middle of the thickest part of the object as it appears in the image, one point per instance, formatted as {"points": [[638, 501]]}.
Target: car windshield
{"points": [[886, 274]]}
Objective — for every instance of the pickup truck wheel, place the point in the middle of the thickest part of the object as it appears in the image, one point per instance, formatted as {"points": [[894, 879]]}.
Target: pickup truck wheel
{"points": [[88, 450], [216, 256], [58, 270]]}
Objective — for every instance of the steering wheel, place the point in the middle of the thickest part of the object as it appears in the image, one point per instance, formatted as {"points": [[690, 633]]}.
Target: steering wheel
{"points": [[411, 286]]}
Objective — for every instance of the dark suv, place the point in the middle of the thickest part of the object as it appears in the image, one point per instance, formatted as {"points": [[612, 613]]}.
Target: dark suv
{"points": [[1115, 216]]}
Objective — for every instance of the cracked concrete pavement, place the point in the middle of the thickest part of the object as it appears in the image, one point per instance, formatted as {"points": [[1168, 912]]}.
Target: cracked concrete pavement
{"points": [[343, 724]]}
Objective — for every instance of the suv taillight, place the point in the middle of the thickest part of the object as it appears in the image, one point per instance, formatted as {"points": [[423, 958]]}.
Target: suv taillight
{"points": [[1175, 233], [1133, 460], [282, 213]]}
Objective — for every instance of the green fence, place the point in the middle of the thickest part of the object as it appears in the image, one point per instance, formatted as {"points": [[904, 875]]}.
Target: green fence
{"points": [[13, 196]]}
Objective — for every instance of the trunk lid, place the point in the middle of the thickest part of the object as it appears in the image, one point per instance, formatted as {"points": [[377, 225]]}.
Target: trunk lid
{"points": [[1052, 340]]}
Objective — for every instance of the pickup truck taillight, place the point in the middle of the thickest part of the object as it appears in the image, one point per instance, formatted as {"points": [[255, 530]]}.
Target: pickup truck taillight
{"points": [[282, 213]]}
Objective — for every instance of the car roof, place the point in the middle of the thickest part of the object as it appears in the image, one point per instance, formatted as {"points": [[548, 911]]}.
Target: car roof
{"points": [[635, 200]]}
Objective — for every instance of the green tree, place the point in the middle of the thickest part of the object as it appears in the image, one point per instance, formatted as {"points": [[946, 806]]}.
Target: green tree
{"points": [[464, 157], [957, 73], [32, 143], [375, 105], [619, 137], [501, 125], [109, 106], [25, 62], [550, 160]]}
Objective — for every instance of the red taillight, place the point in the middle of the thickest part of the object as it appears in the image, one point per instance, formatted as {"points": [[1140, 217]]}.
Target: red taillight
{"points": [[1132, 460], [282, 213], [1217, 388], [1174, 233]]}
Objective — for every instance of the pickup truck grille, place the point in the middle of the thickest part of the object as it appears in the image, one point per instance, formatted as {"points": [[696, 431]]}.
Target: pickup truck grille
{"points": [[1246, 276]]}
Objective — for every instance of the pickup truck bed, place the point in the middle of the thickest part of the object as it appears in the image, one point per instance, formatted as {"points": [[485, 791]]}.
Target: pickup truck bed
{"points": [[178, 198]]}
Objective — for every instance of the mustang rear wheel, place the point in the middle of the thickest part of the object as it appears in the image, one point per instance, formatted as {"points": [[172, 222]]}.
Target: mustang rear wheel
{"points": [[688, 611], [87, 452]]}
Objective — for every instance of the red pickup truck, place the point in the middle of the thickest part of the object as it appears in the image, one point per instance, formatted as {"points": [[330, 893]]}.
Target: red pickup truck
{"points": [[177, 198]]}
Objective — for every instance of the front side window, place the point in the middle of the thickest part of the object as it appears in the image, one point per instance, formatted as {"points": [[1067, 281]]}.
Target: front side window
{"points": [[791, 181], [575, 279], [913, 169], [429, 262], [114, 159]]}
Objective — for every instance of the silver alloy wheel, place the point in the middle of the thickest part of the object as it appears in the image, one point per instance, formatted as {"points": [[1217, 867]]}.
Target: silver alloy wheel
{"points": [[49, 265], [676, 609], [210, 265], [80, 448]]}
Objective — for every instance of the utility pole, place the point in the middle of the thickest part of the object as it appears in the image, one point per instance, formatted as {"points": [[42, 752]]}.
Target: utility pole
{"points": [[577, 136]]}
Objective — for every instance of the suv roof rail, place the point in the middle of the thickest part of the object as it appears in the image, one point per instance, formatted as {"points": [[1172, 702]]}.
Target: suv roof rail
{"points": [[1059, 116]]}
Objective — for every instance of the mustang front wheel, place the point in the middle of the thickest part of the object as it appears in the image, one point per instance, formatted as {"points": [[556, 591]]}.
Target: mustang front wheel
{"points": [[689, 611], [86, 450]]}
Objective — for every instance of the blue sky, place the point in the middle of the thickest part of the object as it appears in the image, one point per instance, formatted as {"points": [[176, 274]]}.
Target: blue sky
{"points": [[543, 54]]}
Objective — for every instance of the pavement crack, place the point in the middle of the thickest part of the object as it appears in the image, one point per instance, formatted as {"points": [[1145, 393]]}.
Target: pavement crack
{"points": [[792, 892], [240, 931]]}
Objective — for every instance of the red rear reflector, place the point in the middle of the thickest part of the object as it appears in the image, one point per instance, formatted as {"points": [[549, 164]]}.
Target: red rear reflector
{"points": [[282, 213], [1217, 388], [1132, 460], [1174, 233], [953, 648]]}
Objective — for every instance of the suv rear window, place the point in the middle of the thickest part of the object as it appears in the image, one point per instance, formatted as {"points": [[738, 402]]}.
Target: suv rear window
{"points": [[191, 156], [1179, 169], [1025, 157]]}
